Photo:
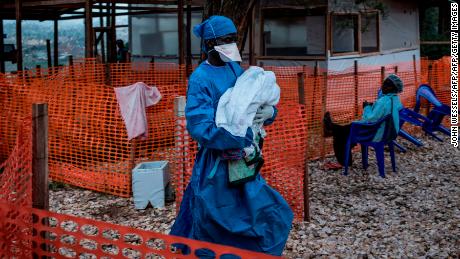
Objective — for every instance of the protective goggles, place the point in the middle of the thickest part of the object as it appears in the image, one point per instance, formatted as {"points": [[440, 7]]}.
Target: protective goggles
{"points": [[227, 39]]}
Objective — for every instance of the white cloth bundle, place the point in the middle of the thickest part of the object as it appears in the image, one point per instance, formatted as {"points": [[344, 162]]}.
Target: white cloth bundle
{"points": [[238, 105]]}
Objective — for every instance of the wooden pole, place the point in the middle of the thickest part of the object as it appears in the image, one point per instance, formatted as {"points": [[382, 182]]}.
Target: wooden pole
{"points": [[323, 111], [181, 141], [113, 32], [396, 69], [2, 59], [110, 44], [382, 74], [152, 68], [88, 29], [414, 62], [71, 70], [430, 74], [40, 195], [189, 39], [315, 89], [130, 32], [38, 72], [107, 74], [101, 23], [48, 52], [301, 87], [18, 5], [432, 81], [56, 43], [132, 159], [356, 108], [261, 35], [251, 37], [306, 195], [180, 29]]}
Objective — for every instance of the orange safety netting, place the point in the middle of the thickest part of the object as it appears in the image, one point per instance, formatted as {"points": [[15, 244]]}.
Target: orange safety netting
{"points": [[439, 78], [16, 189], [88, 141], [87, 136], [27, 232], [15, 171]]}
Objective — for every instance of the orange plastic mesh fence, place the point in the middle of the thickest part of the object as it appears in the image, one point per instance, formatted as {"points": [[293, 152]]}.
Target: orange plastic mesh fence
{"points": [[16, 189], [185, 149], [285, 155], [16, 170], [437, 74], [88, 140], [25, 231], [439, 78]]}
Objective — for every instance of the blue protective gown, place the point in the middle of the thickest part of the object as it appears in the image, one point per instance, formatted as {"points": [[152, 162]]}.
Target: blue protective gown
{"points": [[253, 216], [384, 105]]}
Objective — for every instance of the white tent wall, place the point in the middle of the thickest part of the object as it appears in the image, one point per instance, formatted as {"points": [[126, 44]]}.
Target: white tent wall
{"points": [[322, 64], [400, 29], [403, 58]]}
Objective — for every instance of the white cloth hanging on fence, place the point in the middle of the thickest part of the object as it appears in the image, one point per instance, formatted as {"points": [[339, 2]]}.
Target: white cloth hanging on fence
{"points": [[133, 100]]}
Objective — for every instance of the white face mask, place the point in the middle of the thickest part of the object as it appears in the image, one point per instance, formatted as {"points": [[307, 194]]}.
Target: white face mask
{"points": [[228, 52]]}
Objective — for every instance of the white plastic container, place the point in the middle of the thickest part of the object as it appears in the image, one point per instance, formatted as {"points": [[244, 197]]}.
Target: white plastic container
{"points": [[149, 181]]}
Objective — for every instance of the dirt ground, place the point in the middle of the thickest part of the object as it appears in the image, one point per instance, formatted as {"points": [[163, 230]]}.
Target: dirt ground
{"points": [[412, 213]]}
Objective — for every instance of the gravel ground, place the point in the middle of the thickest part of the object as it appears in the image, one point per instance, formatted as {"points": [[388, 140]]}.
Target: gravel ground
{"points": [[413, 213]]}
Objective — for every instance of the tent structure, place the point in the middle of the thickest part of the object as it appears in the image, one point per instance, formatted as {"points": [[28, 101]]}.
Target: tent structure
{"points": [[331, 34]]}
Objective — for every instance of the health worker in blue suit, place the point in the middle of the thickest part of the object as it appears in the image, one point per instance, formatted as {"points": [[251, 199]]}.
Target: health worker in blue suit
{"points": [[252, 216]]}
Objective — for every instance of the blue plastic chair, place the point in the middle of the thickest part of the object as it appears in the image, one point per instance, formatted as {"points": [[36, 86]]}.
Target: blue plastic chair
{"points": [[407, 115], [363, 133], [432, 122]]}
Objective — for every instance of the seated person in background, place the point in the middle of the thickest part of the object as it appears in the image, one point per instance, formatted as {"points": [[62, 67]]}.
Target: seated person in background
{"points": [[387, 103]]}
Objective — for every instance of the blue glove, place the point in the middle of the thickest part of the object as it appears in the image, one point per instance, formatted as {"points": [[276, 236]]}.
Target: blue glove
{"points": [[264, 113]]}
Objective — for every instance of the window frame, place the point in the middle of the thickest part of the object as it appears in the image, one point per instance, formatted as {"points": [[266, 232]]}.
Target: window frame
{"points": [[379, 50], [262, 17], [358, 33]]}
